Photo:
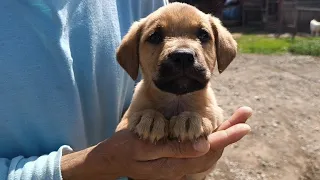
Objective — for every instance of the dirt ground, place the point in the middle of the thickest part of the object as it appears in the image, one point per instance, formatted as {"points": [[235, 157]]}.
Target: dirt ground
{"points": [[284, 92]]}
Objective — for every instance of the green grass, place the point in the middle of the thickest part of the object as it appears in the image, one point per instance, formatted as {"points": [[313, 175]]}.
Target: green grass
{"points": [[262, 44], [307, 46], [259, 44]]}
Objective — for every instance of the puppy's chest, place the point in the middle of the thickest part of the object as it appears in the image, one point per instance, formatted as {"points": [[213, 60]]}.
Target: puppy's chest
{"points": [[174, 107]]}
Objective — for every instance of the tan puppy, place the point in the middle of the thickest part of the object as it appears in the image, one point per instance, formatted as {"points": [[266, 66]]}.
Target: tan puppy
{"points": [[177, 48]]}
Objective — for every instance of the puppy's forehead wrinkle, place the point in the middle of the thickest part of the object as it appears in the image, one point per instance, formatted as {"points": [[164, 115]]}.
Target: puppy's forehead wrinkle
{"points": [[175, 18], [177, 25], [180, 8]]}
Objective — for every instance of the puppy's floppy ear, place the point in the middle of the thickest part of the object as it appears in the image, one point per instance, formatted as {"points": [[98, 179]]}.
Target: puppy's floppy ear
{"points": [[128, 51], [226, 46]]}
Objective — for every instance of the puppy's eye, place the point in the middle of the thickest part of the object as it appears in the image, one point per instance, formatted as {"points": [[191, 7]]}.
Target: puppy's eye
{"points": [[203, 36], [155, 38]]}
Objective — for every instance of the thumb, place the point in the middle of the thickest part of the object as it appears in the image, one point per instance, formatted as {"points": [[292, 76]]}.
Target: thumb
{"points": [[223, 138], [216, 141]]}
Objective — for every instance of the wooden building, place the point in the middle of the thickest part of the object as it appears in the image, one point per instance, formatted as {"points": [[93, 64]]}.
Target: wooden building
{"points": [[272, 15], [281, 15]]}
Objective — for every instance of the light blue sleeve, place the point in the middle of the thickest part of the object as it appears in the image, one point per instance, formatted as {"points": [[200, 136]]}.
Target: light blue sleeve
{"points": [[55, 114], [44, 167]]}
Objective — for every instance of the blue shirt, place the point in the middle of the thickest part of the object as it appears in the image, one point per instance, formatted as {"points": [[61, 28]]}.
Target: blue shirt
{"points": [[61, 88]]}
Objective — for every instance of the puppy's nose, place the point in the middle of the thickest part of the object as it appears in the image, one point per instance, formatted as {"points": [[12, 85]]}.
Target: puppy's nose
{"points": [[183, 57]]}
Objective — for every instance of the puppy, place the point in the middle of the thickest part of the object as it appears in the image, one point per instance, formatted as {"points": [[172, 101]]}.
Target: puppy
{"points": [[177, 48], [315, 27]]}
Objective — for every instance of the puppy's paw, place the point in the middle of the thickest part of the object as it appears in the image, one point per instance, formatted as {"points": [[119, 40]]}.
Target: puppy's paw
{"points": [[190, 126], [149, 124]]}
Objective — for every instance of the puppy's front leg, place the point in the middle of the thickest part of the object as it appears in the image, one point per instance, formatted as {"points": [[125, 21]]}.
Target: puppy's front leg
{"points": [[190, 126], [147, 124]]}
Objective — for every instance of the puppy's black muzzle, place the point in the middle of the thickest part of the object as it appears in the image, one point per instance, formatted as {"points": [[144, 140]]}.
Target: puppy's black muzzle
{"points": [[181, 73], [183, 58]]}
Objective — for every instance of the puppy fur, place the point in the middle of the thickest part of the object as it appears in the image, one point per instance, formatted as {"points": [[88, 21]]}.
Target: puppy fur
{"points": [[177, 48]]}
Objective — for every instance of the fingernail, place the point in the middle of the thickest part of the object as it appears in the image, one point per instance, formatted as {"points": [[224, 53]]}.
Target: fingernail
{"points": [[244, 127], [248, 110], [201, 146]]}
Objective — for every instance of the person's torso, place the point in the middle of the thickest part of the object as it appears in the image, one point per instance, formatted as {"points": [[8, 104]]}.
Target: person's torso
{"points": [[60, 83]]}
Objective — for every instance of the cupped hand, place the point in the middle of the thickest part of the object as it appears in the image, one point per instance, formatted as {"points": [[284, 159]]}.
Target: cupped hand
{"points": [[125, 155]]}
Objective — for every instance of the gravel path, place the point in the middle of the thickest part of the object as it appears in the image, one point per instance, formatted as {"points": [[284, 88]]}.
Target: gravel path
{"points": [[284, 92]]}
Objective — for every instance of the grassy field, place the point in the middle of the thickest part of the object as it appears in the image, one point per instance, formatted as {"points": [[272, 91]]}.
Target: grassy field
{"points": [[263, 44]]}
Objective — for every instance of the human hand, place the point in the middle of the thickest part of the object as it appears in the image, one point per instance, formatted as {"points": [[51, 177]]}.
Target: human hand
{"points": [[230, 131], [124, 155]]}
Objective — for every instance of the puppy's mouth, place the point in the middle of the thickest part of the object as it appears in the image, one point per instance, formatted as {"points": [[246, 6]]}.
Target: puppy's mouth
{"points": [[179, 81]]}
